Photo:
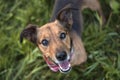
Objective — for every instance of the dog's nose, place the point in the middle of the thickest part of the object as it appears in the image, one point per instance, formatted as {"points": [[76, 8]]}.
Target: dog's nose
{"points": [[61, 56]]}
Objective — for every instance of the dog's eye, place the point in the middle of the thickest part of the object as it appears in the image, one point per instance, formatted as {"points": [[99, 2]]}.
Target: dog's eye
{"points": [[62, 35], [45, 42]]}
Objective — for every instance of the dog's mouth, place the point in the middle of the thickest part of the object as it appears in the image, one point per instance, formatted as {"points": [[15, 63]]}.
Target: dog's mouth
{"points": [[63, 66]]}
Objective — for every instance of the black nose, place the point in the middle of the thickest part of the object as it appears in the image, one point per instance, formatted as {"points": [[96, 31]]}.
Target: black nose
{"points": [[61, 56]]}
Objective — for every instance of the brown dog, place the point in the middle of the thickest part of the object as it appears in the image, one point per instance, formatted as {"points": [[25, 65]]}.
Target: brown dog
{"points": [[59, 40]]}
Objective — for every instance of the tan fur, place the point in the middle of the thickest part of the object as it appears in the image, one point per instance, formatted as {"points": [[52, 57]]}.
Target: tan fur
{"points": [[51, 32], [92, 4], [79, 55]]}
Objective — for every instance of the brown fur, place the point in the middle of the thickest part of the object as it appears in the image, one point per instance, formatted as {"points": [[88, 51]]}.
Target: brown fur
{"points": [[51, 32], [79, 55], [65, 22]]}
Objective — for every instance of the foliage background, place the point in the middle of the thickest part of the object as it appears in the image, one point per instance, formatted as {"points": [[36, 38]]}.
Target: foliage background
{"points": [[24, 61]]}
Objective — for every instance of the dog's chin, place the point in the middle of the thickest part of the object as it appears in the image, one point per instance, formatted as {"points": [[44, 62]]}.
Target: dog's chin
{"points": [[63, 67]]}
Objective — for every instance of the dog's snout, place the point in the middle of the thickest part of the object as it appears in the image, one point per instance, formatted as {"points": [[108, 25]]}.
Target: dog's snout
{"points": [[61, 56]]}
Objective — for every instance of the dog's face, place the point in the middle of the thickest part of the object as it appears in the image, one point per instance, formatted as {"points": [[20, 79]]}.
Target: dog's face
{"points": [[54, 41]]}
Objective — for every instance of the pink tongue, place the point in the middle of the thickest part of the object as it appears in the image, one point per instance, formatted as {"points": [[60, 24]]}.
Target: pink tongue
{"points": [[54, 68], [51, 65], [64, 65]]}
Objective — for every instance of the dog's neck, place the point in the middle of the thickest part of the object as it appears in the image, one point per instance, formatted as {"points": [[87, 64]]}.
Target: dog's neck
{"points": [[77, 18], [79, 54]]}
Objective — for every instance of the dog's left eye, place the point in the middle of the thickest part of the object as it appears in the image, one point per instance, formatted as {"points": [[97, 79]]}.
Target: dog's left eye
{"points": [[45, 42], [62, 36]]}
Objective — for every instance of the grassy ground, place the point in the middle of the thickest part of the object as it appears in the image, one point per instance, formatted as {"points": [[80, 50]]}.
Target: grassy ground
{"points": [[24, 61]]}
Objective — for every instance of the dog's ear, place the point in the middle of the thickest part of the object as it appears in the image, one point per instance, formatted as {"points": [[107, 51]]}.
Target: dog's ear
{"points": [[64, 16], [30, 33]]}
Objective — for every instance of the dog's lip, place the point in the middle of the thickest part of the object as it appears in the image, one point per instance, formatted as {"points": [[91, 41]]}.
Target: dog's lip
{"points": [[65, 71], [63, 66], [52, 65]]}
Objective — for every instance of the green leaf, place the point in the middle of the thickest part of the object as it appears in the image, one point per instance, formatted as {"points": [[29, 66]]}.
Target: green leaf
{"points": [[115, 6]]}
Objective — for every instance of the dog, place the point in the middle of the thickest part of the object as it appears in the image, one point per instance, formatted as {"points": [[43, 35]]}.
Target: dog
{"points": [[60, 39]]}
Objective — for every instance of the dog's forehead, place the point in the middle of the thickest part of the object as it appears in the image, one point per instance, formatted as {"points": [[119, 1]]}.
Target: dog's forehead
{"points": [[52, 27]]}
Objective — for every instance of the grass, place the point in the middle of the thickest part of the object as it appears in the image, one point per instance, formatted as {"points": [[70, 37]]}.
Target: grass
{"points": [[24, 61]]}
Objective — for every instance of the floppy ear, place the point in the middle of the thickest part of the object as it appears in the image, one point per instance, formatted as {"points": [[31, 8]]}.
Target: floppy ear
{"points": [[30, 33], [64, 16]]}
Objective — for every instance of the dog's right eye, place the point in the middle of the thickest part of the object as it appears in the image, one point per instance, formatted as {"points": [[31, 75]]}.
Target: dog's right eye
{"points": [[62, 36], [45, 42]]}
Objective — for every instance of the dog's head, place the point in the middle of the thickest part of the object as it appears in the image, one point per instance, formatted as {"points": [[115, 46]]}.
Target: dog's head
{"points": [[53, 39]]}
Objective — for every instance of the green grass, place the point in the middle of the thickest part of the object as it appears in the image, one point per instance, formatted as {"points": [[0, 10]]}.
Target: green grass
{"points": [[24, 61]]}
